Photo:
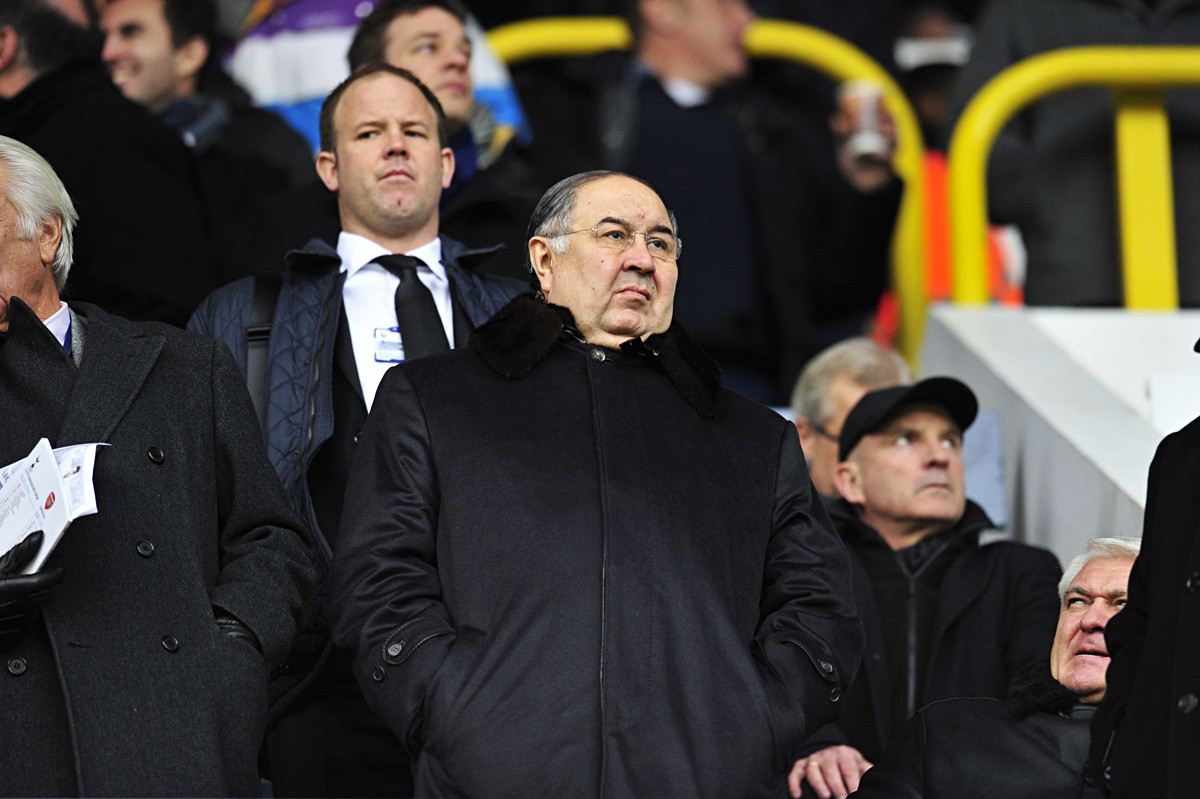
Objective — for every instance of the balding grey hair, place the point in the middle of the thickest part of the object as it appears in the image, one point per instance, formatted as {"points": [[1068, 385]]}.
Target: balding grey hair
{"points": [[1098, 549], [38, 196], [861, 360], [554, 212]]}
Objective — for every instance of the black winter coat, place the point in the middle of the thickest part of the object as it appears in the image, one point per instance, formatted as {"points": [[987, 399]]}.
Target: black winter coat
{"points": [[151, 697], [1146, 734], [996, 614], [1032, 746], [566, 570]]}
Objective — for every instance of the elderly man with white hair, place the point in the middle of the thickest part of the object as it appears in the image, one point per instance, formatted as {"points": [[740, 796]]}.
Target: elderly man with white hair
{"points": [[1035, 743], [137, 659]]}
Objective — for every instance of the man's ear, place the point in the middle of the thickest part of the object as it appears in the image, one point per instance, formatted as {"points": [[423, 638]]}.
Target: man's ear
{"points": [[10, 47], [847, 478], [327, 169], [541, 257], [447, 167], [187, 61], [807, 434], [49, 238]]}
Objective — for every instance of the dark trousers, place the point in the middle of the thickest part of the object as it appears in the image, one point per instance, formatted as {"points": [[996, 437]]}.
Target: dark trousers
{"points": [[330, 744]]}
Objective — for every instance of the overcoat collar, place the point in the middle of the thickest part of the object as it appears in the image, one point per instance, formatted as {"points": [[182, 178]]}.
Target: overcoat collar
{"points": [[523, 333], [118, 355]]}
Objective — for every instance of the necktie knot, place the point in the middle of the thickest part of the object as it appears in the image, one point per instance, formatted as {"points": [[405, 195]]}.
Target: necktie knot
{"points": [[399, 264]]}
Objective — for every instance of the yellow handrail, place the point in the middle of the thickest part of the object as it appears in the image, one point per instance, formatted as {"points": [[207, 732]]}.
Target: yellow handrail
{"points": [[1137, 75], [842, 61]]}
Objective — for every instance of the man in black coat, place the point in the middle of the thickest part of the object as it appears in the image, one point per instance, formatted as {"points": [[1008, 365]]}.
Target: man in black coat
{"points": [[571, 563], [1147, 731], [144, 248], [945, 614], [1034, 744], [145, 672]]}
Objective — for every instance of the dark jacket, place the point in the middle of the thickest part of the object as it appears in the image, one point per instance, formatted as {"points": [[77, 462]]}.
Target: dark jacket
{"points": [[299, 416], [1052, 170], [996, 612], [819, 246], [1147, 731], [143, 247], [576, 571], [1032, 746], [155, 699]]}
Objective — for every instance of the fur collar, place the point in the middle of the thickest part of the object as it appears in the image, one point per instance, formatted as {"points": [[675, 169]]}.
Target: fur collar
{"points": [[523, 333], [1034, 690]]}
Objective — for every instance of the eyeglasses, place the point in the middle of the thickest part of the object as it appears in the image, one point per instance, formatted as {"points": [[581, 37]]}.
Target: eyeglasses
{"points": [[823, 433], [618, 238]]}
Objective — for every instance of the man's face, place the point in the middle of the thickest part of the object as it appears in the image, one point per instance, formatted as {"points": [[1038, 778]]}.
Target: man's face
{"points": [[138, 52], [434, 46], [711, 32], [25, 265], [820, 446], [908, 476], [613, 295], [1079, 657], [389, 169]]}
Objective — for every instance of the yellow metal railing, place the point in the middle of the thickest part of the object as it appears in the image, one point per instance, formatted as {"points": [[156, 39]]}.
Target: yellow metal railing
{"points": [[842, 61], [1137, 76]]}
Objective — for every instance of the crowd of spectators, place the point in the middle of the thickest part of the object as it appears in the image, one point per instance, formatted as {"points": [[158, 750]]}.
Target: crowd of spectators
{"points": [[805, 608]]}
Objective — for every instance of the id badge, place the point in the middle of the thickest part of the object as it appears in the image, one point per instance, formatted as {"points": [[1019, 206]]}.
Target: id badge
{"points": [[388, 347]]}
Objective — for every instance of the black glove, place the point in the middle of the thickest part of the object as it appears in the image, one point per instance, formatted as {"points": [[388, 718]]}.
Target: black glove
{"points": [[21, 594], [235, 629]]}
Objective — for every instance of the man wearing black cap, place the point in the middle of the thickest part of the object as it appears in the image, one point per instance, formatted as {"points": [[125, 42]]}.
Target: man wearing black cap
{"points": [[944, 615]]}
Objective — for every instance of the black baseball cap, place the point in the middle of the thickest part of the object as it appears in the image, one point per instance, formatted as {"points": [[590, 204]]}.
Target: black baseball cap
{"points": [[878, 407]]}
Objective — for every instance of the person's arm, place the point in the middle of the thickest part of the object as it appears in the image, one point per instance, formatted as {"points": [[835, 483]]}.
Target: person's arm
{"points": [[809, 639], [267, 580], [387, 607], [900, 773], [1033, 618]]}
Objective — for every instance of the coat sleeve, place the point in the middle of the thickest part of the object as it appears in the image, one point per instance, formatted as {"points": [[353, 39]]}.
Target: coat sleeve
{"points": [[266, 578], [387, 606], [1033, 588], [810, 639], [1125, 635], [900, 773]]}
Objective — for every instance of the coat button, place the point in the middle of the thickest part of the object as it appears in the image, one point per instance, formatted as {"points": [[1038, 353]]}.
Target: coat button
{"points": [[170, 643], [1193, 582], [835, 694], [1187, 703], [357, 433], [17, 666], [145, 549], [155, 454], [598, 355], [826, 666], [377, 674], [395, 649]]}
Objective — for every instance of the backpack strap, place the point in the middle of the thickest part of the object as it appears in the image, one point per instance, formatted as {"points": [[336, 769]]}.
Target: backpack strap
{"points": [[258, 337]]}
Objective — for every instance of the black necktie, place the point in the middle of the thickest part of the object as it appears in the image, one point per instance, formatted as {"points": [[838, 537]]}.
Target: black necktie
{"points": [[421, 330]]}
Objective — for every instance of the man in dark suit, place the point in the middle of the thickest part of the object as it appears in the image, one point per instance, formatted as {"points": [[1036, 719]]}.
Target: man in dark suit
{"points": [[145, 672], [1147, 730], [945, 612], [144, 249], [342, 319]]}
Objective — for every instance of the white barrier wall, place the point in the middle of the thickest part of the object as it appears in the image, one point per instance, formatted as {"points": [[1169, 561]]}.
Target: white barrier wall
{"points": [[1084, 397]]}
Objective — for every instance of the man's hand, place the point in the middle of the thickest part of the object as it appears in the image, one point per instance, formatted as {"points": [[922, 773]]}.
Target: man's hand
{"points": [[832, 772], [21, 595], [865, 171]]}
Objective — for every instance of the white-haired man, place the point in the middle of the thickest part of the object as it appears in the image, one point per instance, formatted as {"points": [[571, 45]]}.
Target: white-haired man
{"points": [[137, 659], [1033, 744]]}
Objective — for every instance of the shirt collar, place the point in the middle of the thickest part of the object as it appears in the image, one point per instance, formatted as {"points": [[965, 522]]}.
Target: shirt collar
{"points": [[59, 323], [357, 251]]}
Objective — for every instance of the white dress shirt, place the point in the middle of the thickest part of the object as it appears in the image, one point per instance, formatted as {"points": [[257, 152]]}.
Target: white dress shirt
{"points": [[59, 323], [369, 298]]}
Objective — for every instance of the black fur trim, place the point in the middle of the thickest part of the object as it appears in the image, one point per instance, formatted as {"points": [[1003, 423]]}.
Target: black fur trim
{"points": [[1034, 690], [520, 335], [524, 332]]}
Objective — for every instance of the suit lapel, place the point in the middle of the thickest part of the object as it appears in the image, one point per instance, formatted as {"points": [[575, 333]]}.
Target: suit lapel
{"points": [[343, 355], [965, 580], [116, 360]]}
